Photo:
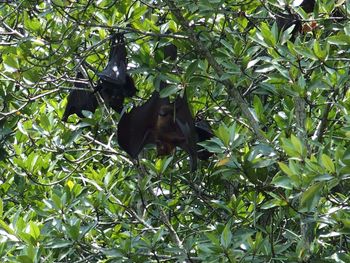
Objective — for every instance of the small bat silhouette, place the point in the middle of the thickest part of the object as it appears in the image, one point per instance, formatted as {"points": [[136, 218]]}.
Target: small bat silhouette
{"points": [[79, 100], [170, 52], [162, 123], [115, 83]]}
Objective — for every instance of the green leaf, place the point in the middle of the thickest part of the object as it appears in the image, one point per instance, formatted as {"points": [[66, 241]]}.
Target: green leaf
{"points": [[267, 34], [290, 148], [346, 157], [286, 34], [24, 259], [292, 174], [74, 230], [8, 229], [283, 181], [320, 52], [228, 45], [259, 108], [58, 243], [339, 40], [285, 169], [305, 52], [11, 63], [328, 163], [1, 208], [214, 145], [226, 236], [223, 133], [34, 230], [169, 90], [311, 197], [21, 128], [297, 144], [45, 122], [191, 69], [158, 235]]}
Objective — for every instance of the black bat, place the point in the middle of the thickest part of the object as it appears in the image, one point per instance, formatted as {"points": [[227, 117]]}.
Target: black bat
{"points": [[170, 52], [162, 123], [285, 21], [115, 83], [308, 5], [79, 100]]}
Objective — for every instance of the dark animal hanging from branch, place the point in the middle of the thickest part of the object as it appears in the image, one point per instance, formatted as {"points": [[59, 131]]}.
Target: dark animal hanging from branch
{"points": [[115, 83], [79, 100], [162, 123]]}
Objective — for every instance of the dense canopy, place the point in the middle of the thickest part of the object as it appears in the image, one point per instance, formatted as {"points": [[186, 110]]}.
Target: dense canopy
{"points": [[270, 77]]}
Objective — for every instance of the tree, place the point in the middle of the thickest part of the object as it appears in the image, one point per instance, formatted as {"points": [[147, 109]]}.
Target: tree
{"points": [[276, 188]]}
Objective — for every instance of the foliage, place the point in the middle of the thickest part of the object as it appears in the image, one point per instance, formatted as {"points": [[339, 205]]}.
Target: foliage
{"points": [[276, 194]]}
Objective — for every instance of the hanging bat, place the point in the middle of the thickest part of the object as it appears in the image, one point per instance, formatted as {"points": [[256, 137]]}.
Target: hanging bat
{"points": [[285, 21], [159, 122], [115, 83], [79, 100], [170, 52], [308, 5]]}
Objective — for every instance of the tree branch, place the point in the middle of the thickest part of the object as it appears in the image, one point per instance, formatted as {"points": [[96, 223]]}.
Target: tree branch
{"points": [[201, 48]]}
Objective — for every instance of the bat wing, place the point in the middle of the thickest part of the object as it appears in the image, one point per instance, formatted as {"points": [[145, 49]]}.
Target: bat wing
{"points": [[204, 133], [135, 128], [185, 122], [79, 100]]}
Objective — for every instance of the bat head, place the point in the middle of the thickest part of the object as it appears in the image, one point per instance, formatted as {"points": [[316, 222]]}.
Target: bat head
{"points": [[165, 116], [166, 110], [164, 148]]}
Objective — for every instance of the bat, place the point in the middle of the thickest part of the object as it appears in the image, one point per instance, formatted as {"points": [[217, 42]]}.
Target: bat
{"points": [[204, 133], [79, 100], [115, 83], [284, 21], [308, 5], [170, 52], [162, 123]]}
